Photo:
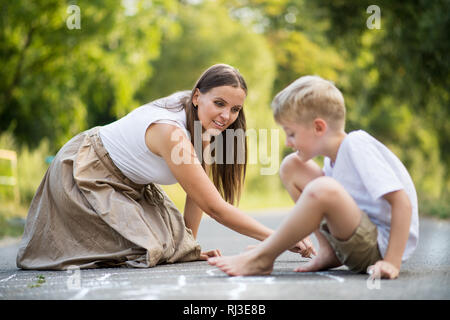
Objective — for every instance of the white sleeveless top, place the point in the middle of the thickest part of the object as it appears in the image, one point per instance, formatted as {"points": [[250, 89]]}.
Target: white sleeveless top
{"points": [[124, 140]]}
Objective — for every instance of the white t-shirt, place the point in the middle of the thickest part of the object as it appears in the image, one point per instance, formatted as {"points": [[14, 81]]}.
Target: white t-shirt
{"points": [[367, 170], [124, 140]]}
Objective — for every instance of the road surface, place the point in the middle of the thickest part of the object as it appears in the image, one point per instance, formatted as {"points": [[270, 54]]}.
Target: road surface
{"points": [[425, 276]]}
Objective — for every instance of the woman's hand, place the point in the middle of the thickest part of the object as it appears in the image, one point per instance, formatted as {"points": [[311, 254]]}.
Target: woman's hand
{"points": [[167, 140], [209, 254], [305, 248]]}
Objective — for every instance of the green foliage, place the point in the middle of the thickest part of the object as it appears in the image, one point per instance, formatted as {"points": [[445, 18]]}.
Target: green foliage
{"points": [[31, 167], [8, 228], [40, 280], [56, 82], [395, 80], [398, 88], [208, 36]]}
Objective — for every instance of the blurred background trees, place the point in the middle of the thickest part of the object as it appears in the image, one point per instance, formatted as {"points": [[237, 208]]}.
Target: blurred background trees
{"points": [[56, 81]]}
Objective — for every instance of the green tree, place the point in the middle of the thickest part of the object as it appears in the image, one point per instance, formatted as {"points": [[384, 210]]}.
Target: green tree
{"points": [[56, 81], [395, 80], [401, 79], [207, 35], [296, 35], [295, 32]]}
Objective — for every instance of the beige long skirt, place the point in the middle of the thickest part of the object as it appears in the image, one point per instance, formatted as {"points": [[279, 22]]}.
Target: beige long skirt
{"points": [[87, 214]]}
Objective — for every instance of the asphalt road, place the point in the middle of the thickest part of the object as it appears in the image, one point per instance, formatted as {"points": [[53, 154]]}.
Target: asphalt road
{"points": [[425, 276]]}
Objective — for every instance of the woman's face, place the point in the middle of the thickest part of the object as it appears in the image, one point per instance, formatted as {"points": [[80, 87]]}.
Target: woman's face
{"points": [[218, 108]]}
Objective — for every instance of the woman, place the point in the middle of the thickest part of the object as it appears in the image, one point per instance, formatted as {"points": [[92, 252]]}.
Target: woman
{"points": [[99, 204]]}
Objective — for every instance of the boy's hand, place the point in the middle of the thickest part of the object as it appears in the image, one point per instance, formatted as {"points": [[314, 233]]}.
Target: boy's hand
{"points": [[305, 248], [209, 254], [383, 269]]}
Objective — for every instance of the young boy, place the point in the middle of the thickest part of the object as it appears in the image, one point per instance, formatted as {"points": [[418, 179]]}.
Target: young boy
{"points": [[362, 206]]}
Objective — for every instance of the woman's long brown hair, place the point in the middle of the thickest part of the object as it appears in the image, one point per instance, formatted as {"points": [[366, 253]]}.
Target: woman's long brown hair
{"points": [[228, 178]]}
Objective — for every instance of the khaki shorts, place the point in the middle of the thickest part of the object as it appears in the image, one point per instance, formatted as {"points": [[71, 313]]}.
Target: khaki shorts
{"points": [[360, 250]]}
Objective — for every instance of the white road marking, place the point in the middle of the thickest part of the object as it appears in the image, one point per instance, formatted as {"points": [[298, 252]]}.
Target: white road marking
{"points": [[247, 279], [106, 276], [10, 277], [242, 284], [235, 293], [181, 281], [212, 272], [80, 294], [269, 280], [326, 274]]}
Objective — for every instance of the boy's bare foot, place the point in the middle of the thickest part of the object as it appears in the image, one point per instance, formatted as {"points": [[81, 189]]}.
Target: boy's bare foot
{"points": [[245, 264], [326, 259]]}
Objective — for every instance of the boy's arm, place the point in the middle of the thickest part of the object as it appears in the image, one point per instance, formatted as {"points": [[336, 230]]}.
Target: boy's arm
{"points": [[401, 211]]}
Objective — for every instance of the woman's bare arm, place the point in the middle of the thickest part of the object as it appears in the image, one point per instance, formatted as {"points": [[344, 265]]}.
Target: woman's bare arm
{"points": [[192, 215], [192, 212], [170, 143]]}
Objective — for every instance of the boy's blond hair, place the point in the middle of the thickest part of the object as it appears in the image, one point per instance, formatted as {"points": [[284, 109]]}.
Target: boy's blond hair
{"points": [[308, 98]]}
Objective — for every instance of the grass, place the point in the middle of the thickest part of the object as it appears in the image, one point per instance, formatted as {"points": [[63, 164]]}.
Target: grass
{"points": [[8, 228], [40, 280], [11, 217], [276, 199], [437, 208]]}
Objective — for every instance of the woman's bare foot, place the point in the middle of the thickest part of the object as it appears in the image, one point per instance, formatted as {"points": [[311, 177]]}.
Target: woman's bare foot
{"points": [[245, 264]]}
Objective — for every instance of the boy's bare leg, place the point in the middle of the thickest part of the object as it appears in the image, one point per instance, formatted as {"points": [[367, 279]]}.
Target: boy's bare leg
{"points": [[295, 175], [322, 198]]}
